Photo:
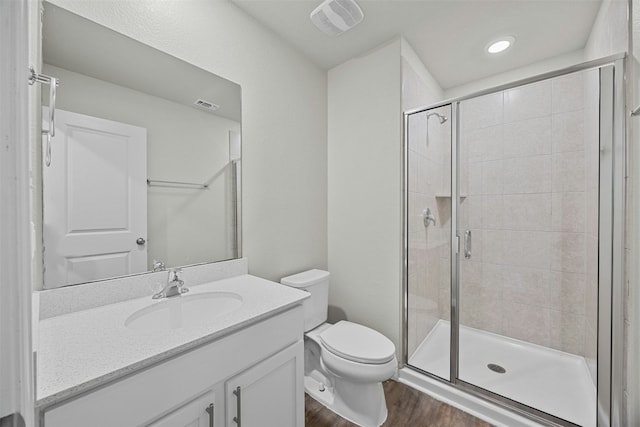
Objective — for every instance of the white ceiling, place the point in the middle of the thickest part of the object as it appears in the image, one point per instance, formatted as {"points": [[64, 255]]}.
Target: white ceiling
{"points": [[448, 35]]}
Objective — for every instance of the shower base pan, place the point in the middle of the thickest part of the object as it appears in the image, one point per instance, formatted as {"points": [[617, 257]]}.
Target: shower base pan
{"points": [[549, 380]]}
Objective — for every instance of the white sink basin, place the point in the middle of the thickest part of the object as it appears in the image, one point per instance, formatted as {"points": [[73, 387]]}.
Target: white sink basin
{"points": [[183, 311]]}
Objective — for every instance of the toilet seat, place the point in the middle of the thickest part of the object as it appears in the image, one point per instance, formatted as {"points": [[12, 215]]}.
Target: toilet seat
{"points": [[357, 343]]}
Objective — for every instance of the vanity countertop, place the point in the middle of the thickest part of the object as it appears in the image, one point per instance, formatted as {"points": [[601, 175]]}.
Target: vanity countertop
{"points": [[81, 350]]}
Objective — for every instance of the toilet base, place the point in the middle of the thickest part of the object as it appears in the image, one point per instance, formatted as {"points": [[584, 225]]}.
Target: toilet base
{"points": [[362, 404]]}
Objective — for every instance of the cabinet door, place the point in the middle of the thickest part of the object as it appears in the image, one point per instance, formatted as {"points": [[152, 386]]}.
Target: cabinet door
{"points": [[199, 412], [270, 394]]}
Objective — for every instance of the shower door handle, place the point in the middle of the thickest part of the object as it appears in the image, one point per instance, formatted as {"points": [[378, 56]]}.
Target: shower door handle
{"points": [[467, 244]]}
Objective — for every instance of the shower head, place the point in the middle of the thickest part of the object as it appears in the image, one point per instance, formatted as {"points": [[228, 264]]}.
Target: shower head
{"points": [[440, 117]]}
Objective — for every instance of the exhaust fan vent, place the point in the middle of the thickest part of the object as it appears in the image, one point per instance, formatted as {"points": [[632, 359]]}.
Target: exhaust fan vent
{"points": [[206, 105], [334, 17]]}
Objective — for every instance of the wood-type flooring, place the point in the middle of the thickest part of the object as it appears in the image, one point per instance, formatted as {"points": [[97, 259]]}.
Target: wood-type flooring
{"points": [[407, 408]]}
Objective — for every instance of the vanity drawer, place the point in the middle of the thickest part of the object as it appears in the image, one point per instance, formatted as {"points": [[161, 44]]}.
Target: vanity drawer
{"points": [[149, 394]]}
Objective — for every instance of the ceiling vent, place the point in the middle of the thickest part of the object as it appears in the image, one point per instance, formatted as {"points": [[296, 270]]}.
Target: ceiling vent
{"points": [[334, 17], [206, 105]]}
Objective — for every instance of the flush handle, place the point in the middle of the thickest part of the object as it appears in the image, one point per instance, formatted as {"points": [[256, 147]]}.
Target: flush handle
{"points": [[237, 419]]}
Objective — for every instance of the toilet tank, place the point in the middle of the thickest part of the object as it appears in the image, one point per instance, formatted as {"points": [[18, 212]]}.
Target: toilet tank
{"points": [[316, 282]]}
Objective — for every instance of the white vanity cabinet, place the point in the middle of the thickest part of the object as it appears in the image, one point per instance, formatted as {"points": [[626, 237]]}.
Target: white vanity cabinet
{"points": [[268, 393], [256, 370]]}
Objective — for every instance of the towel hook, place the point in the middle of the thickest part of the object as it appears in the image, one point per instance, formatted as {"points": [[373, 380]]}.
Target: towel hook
{"points": [[53, 83]]}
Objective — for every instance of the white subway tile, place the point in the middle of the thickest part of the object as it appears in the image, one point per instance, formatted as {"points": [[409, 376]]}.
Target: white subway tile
{"points": [[483, 144], [567, 292], [492, 173], [474, 179], [568, 172], [472, 209], [527, 322], [481, 308], [492, 275], [525, 285], [482, 112], [492, 246], [527, 249], [567, 93], [568, 212], [527, 212], [568, 131], [527, 137], [568, 252], [527, 175], [527, 102], [568, 332], [493, 212]]}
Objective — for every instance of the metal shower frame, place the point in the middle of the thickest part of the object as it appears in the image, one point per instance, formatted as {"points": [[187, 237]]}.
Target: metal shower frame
{"points": [[612, 228]]}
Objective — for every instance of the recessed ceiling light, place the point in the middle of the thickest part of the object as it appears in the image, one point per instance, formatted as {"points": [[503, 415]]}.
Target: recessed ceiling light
{"points": [[500, 45]]}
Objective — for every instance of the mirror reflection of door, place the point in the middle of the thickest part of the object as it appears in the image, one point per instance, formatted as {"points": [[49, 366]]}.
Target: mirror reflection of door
{"points": [[95, 198]]}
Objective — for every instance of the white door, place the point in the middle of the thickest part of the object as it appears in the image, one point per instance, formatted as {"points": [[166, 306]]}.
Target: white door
{"points": [[95, 200]]}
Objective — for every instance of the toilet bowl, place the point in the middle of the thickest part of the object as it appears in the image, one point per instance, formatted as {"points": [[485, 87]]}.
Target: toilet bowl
{"points": [[345, 363]]}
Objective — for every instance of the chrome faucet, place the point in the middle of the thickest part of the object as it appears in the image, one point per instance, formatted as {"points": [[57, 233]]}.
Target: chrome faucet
{"points": [[174, 286]]}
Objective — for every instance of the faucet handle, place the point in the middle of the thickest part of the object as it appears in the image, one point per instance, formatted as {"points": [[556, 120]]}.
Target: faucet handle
{"points": [[158, 265], [175, 285], [174, 274], [179, 282]]}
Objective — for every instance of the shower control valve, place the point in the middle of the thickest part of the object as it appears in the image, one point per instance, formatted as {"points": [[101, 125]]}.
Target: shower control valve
{"points": [[428, 217]]}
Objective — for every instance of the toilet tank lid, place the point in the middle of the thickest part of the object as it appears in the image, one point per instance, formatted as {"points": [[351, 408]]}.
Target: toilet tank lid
{"points": [[306, 278]]}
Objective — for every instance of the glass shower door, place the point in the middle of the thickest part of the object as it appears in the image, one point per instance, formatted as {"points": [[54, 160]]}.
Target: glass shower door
{"points": [[428, 210], [528, 161]]}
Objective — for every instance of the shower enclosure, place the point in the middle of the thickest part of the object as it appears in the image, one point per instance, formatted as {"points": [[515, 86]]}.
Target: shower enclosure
{"points": [[513, 211]]}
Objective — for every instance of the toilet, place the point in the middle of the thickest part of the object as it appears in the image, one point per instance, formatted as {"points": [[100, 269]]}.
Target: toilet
{"points": [[344, 363]]}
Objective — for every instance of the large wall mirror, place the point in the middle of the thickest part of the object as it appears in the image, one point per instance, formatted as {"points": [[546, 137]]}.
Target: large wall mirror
{"points": [[145, 163]]}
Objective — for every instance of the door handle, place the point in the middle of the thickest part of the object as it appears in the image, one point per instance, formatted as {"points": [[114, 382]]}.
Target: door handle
{"points": [[467, 244], [209, 410], [140, 241], [237, 419]]}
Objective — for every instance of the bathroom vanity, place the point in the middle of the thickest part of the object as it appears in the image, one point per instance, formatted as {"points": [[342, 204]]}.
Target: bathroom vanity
{"points": [[169, 363]]}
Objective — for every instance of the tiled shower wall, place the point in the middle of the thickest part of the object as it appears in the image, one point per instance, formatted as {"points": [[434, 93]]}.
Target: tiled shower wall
{"points": [[529, 177], [531, 210]]}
